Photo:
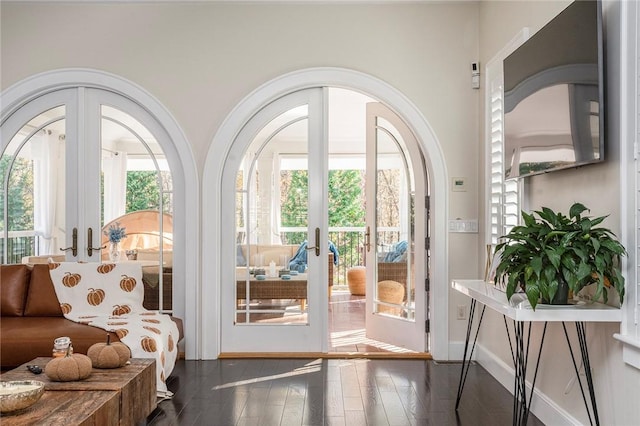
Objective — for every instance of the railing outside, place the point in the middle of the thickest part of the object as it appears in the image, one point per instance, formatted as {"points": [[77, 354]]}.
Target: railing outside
{"points": [[18, 245], [350, 244]]}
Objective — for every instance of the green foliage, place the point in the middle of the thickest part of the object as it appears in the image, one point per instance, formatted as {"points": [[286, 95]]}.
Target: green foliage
{"points": [[346, 206], [19, 192], [554, 248], [143, 192]]}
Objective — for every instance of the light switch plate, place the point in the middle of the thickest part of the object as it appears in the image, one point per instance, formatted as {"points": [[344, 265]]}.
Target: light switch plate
{"points": [[464, 226]]}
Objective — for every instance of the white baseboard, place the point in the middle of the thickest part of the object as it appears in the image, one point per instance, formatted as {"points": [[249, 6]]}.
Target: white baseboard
{"points": [[456, 351], [541, 406]]}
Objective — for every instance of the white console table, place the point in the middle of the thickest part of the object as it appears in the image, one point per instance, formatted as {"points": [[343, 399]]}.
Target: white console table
{"points": [[520, 312]]}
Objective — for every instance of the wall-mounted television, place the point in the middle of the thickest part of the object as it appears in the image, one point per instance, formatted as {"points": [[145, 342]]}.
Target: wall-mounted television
{"points": [[554, 95]]}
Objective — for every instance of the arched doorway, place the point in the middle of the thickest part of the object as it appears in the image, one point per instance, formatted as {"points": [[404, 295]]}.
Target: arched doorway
{"points": [[214, 274], [92, 100]]}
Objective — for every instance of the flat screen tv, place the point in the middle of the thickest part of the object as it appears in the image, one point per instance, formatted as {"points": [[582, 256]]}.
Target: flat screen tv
{"points": [[553, 95]]}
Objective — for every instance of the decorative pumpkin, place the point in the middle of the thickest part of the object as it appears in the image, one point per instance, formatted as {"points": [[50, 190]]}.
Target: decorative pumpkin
{"points": [[71, 280], [121, 332], [68, 368], [152, 329], [148, 344], [95, 296], [105, 268], [127, 283], [109, 355], [121, 309], [66, 308]]}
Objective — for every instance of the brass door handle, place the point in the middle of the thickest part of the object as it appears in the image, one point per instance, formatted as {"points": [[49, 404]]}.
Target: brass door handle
{"points": [[74, 243], [317, 246], [90, 241]]}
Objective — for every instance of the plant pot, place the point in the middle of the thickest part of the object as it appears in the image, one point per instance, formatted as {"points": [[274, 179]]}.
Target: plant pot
{"points": [[561, 297]]}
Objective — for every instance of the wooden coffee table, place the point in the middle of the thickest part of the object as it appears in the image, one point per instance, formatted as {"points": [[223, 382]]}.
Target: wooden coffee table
{"points": [[128, 394]]}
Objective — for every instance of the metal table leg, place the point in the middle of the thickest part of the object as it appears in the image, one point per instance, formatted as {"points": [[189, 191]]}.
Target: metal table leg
{"points": [[584, 353], [520, 357], [466, 362]]}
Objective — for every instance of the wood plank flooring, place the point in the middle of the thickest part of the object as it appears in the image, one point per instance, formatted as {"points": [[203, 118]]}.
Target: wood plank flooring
{"points": [[352, 392]]}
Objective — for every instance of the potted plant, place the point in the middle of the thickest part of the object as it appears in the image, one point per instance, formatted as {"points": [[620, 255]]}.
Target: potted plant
{"points": [[551, 254]]}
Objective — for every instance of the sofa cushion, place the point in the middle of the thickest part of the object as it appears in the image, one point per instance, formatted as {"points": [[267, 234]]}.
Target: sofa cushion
{"points": [[268, 252], [31, 337], [13, 291], [42, 300]]}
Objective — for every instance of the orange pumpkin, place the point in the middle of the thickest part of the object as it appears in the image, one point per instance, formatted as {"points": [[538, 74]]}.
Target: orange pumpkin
{"points": [[122, 332], [95, 296], [71, 280], [68, 368], [66, 308], [127, 283], [105, 268], [152, 329], [109, 355], [148, 344], [121, 309]]}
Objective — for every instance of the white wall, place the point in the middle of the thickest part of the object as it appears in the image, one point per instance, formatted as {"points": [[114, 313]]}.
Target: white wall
{"points": [[200, 59], [596, 186]]}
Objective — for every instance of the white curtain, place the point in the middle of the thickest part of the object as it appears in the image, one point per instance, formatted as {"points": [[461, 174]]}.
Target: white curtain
{"points": [[114, 169], [45, 149]]}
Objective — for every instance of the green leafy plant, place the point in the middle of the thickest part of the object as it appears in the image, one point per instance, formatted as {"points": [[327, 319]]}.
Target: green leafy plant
{"points": [[552, 249]]}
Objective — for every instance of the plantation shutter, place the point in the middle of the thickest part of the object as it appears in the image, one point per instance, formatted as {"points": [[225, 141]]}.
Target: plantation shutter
{"points": [[504, 208], [496, 158]]}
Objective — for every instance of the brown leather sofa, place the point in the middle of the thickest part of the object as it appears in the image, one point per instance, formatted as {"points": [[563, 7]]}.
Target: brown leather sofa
{"points": [[32, 318]]}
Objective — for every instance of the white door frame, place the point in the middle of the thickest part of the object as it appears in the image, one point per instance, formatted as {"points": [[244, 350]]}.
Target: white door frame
{"points": [[183, 168], [212, 186], [311, 336]]}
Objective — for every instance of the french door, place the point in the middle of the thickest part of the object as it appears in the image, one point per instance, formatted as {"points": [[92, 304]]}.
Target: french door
{"points": [[261, 311], [397, 232], [65, 161]]}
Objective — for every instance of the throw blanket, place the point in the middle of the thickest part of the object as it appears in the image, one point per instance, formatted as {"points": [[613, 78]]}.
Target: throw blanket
{"points": [[398, 253], [299, 261], [109, 296]]}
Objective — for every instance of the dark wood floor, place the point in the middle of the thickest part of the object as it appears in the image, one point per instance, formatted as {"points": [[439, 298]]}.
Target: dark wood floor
{"points": [[351, 392]]}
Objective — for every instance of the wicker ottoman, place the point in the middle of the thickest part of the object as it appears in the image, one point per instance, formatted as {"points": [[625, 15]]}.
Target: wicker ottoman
{"points": [[390, 292], [357, 280]]}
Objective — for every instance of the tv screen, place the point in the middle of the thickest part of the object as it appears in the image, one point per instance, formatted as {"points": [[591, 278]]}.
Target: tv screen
{"points": [[553, 95]]}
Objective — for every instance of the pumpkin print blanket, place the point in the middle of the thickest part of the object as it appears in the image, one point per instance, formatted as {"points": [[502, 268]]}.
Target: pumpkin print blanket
{"points": [[109, 296]]}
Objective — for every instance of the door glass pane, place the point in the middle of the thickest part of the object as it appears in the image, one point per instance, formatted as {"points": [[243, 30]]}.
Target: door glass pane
{"points": [[395, 290], [33, 181], [271, 224], [136, 187]]}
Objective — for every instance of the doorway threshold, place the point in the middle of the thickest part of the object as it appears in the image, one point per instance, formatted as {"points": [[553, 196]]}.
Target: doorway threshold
{"points": [[324, 355]]}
